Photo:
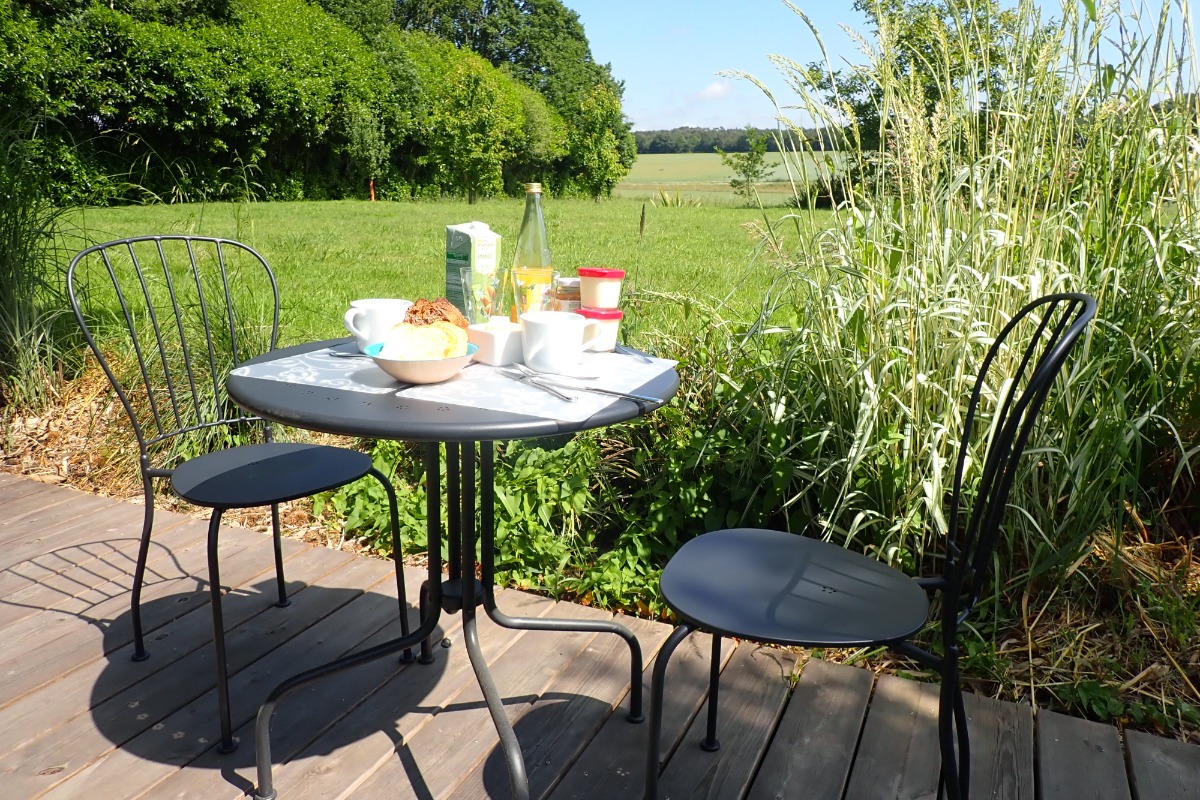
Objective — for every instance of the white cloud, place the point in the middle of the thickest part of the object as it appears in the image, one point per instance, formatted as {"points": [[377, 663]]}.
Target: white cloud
{"points": [[717, 90]]}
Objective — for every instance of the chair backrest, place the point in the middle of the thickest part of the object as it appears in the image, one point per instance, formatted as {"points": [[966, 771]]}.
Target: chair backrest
{"points": [[167, 317], [1049, 328]]}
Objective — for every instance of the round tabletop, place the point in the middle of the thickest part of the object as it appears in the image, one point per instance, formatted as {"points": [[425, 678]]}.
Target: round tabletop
{"points": [[388, 416]]}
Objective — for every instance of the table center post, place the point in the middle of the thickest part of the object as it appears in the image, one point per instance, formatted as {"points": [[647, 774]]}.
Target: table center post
{"points": [[487, 516], [431, 589], [454, 517]]}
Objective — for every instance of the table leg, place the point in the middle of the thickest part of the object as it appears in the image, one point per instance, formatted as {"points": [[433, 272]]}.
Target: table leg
{"points": [[454, 485], [518, 779], [431, 590], [488, 569]]}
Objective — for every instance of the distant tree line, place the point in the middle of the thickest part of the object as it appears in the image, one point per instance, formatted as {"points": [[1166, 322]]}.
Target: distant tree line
{"points": [[728, 140], [191, 99]]}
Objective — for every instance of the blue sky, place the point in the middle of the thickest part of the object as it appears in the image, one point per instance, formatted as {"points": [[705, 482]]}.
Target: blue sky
{"points": [[668, 53]]}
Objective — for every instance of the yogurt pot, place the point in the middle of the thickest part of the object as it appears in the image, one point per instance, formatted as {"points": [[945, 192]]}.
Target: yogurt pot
{"points": [[603, 326], [600, 287]]}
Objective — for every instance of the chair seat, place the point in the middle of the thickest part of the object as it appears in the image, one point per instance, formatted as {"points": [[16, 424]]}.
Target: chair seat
{"points": [[262, 474], [783, 588]]}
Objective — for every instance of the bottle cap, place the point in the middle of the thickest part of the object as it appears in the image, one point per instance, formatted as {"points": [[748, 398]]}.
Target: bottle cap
{"points": [[532, 187], [600, 313]]}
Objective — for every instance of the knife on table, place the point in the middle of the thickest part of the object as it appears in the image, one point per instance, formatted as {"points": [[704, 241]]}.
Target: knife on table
{"points": [[533, 381], [644, 398]]}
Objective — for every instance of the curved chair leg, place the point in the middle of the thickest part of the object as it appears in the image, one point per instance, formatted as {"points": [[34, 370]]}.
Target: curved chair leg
{"points": [[964, 744], [424, 606], [658, 678], [139, 572], [276, 536], [397, 556], [710, 742], [951, 779], [228, 745]]}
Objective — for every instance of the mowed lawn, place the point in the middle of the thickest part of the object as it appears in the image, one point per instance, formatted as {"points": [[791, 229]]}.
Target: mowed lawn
{"points": [[702, 177], [326, 254]]}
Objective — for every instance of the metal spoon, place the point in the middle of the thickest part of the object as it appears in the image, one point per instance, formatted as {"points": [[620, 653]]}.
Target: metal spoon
{"points": [[343, 354]]}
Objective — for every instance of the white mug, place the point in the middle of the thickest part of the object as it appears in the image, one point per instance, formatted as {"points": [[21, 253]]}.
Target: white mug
{"points": [[370, 320], [553, 341]]}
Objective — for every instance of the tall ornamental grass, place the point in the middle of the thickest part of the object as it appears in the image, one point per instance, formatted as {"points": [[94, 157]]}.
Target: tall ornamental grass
{"points": [[31, 285], [1062, 157]]}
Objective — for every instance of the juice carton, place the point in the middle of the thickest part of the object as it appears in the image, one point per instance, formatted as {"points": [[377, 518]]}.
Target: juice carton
{"points": [[472, 252]]}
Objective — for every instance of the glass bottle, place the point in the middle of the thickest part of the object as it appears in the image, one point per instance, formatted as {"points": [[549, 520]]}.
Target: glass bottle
{"points": [[532, 269]]}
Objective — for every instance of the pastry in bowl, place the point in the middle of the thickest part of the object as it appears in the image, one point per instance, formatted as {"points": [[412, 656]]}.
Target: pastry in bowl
{"points": [[429, 312], [430, 350], [408, 342]]}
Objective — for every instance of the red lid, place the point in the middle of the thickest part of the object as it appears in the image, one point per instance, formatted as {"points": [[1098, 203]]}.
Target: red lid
{"points": [[600, 313], [600, 272]]}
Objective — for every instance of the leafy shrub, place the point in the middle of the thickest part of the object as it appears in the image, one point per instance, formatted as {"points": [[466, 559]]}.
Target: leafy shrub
{"points": [[470, 118]]}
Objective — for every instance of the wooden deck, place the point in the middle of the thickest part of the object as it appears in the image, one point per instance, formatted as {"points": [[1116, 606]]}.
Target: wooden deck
{"points": [[79, 719]]}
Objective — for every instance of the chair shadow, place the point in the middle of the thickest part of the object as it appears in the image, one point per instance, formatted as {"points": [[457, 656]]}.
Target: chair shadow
{"points": [[168, 711], [77, 578]]}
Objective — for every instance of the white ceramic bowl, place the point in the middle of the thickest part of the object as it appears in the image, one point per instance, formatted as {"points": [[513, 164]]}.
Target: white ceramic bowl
{"points": [[432, 371], [499, 342]]}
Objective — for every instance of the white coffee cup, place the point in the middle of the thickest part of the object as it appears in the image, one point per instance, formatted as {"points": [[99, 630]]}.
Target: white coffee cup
{"points": [[370, 319], [553, 341]]}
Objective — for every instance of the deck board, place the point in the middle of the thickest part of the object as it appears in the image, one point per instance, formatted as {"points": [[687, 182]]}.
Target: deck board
{"points": [[1079, 759], [813, 748], [40, 647], [39, 519], [100, 680], [189, 732], [613, 764], [753, 691], [898, 753], [80, 719], [1001, 739], [1162, 769]]}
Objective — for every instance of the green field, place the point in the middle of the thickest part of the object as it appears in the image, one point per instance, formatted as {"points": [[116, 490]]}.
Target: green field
{"points": [[702, 176], [326, 254]]}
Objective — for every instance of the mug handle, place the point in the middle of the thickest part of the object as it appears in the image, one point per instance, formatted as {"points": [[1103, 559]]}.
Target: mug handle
{"points": [[588, 341], [348, 321]]}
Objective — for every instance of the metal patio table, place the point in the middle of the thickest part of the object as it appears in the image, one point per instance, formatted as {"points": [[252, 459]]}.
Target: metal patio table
{"points": [[467, 433]]}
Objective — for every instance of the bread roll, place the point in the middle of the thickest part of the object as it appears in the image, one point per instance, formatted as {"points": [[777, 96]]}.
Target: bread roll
{"points": [[425, 312]]}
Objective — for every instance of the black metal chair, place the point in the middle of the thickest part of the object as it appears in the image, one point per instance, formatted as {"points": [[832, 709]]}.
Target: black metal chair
{"points": [[167, 318], [782, 588]]}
